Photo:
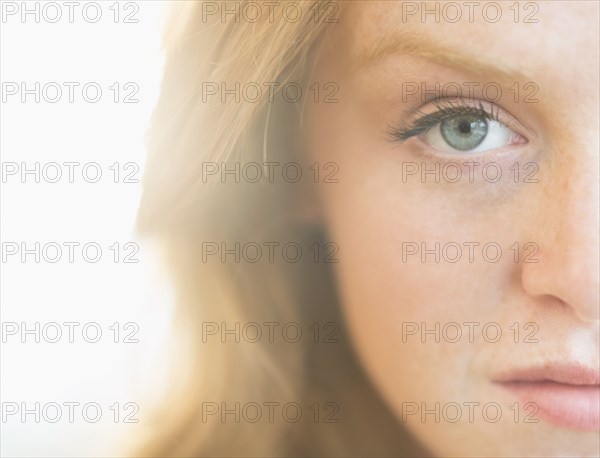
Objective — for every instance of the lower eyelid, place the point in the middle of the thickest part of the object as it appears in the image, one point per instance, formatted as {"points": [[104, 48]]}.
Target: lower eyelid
{"points": [[429, 154]]}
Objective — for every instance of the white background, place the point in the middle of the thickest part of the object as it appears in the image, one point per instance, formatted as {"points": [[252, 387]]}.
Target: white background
{"points": [[104, 292]]}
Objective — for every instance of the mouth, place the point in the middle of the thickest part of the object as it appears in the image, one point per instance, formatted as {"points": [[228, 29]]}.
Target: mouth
{"points": [[565, 395]]}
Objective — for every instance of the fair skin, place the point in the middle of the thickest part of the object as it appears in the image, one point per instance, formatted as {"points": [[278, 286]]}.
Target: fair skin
{"points": [[371, 212]]}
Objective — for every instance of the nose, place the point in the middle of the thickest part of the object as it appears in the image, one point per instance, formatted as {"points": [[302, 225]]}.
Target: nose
{"points": [[568, 233]]}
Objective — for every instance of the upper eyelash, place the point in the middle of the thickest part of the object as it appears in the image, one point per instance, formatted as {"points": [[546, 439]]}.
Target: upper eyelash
{"points": [[445, 109]]}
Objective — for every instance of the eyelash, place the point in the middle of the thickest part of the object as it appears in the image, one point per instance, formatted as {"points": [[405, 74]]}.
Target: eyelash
{"points": [[446, 109]]}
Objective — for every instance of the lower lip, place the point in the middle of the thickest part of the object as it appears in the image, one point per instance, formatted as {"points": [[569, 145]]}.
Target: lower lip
{"points": [[568, 406]]}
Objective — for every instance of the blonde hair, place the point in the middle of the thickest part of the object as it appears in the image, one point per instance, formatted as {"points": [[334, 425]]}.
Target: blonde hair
{"points": [[182, 211]]}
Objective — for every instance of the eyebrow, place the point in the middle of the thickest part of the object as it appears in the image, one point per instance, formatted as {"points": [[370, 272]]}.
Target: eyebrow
{"points": [[417, 45]]}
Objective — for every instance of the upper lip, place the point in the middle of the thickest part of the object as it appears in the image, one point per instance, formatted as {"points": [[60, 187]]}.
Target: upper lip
{"points": [[566, 373]]}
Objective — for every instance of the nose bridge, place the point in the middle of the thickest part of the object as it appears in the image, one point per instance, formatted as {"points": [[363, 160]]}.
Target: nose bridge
{"points": [[579, 202], [568, 232]]}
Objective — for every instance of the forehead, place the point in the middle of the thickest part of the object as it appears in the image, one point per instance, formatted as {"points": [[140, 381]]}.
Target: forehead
{"points": [[525, 37]]}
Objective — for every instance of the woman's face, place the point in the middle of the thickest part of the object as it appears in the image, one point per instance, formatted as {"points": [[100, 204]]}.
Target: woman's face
{"points": [[467, 226]]}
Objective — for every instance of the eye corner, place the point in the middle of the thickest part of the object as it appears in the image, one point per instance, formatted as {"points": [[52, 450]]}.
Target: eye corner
{"points": [[520, 139]]}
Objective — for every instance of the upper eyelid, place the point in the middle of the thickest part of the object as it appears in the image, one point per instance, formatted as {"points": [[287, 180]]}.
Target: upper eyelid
{"points": [[406, 130], [426, 121]]}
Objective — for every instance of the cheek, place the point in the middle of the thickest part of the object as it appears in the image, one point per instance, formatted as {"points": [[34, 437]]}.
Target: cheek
{"points": [[372, 217], [383, 294]]}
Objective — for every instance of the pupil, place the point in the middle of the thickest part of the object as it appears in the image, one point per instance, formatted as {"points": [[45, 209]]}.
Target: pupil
{"points": [[464, 127]]}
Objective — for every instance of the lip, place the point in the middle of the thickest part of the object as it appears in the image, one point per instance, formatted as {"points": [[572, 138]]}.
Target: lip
{"points": [[566, 395]]}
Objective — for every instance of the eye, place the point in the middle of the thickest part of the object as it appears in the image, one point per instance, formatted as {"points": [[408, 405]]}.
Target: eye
{"points": [[460, 128], [469, 133]]}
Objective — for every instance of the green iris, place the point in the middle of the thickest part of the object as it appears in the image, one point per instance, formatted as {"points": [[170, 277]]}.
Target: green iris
{"points": [[464, 132]]}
